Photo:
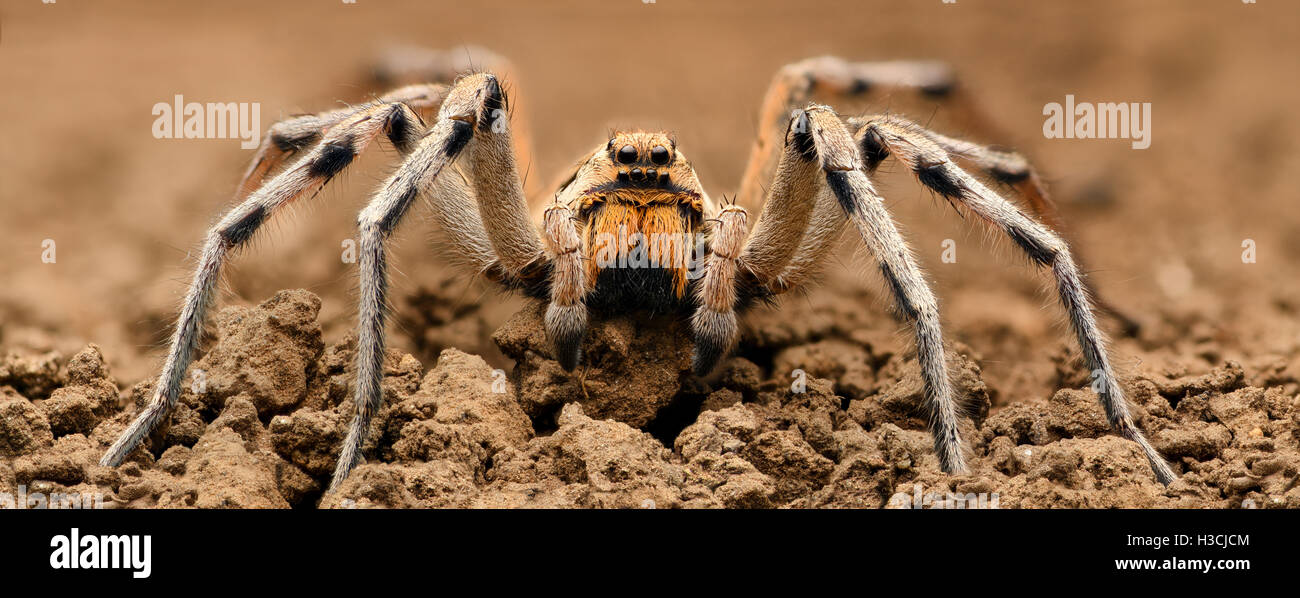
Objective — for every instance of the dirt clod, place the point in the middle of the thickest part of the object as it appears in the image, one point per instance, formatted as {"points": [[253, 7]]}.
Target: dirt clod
{"points": [[630, 370], [266, 430]]}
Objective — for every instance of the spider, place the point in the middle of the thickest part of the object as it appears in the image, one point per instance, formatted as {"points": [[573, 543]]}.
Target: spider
{"points": [[637, 194]]}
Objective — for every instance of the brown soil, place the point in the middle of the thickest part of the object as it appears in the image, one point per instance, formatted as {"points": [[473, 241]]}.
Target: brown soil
{"points": [[1213, 376], [265, 430]]}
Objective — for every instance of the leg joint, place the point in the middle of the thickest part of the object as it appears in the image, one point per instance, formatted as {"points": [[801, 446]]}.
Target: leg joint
{"points": [[242, 227], [333, 157], [1038, 249], [940, 178], [874, 150], [402, 132]]}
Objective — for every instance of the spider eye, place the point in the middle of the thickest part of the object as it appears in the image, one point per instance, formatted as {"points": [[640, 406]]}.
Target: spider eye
{"points": [[627, 154], [659, 155]]}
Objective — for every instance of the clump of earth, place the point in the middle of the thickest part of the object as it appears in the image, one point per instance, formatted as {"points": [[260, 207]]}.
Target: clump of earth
{"points": [[804, 416]]}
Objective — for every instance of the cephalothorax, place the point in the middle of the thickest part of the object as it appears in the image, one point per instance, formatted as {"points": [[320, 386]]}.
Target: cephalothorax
{"points": [[632, 229]]}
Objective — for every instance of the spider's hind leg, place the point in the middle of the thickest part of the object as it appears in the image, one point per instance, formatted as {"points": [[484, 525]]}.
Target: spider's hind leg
{"points": [[935, 169], [852, 86], [287, 137], [833, 80], [1008, 168], [336, 150]]}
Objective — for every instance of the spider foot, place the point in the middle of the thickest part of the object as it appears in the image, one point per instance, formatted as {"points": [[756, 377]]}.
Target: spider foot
{"points": [[715, 333], [566, 325]]}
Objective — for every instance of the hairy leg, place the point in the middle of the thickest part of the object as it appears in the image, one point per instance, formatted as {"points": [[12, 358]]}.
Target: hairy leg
{"points": [[494, 173], [796, 84], [837, 80], [825, 229], [409, 65], [866, 210], [338, 148], [566, 316], [714, 322], [791, 197], [935, 169], [817, 138], [460, 237], [840, 81], [287, 137], [839, 180], [815, 143], [471, 121], [801, 219], [1006, 167]]}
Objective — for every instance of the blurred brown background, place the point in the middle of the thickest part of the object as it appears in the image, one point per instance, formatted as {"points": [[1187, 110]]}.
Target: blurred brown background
{"points": [[1162, 228]]}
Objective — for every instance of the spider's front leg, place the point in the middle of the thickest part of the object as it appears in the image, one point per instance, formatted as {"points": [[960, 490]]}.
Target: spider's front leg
{"points": [[761, 256], [472, 121], [821, 161]]}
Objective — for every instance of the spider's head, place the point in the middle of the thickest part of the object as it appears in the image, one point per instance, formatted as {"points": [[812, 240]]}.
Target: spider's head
{"points": [[638, 168], [643, 159]]}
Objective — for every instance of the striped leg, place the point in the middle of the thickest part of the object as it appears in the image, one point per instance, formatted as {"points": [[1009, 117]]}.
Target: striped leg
{"points": [[338, 148], [472, 121], [935, 169]]}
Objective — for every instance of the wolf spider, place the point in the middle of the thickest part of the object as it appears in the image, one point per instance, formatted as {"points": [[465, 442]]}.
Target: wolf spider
{"points": [[817, 166]]}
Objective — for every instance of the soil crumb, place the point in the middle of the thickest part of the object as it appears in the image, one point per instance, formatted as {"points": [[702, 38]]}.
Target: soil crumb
{"points": [[267, 408]]}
